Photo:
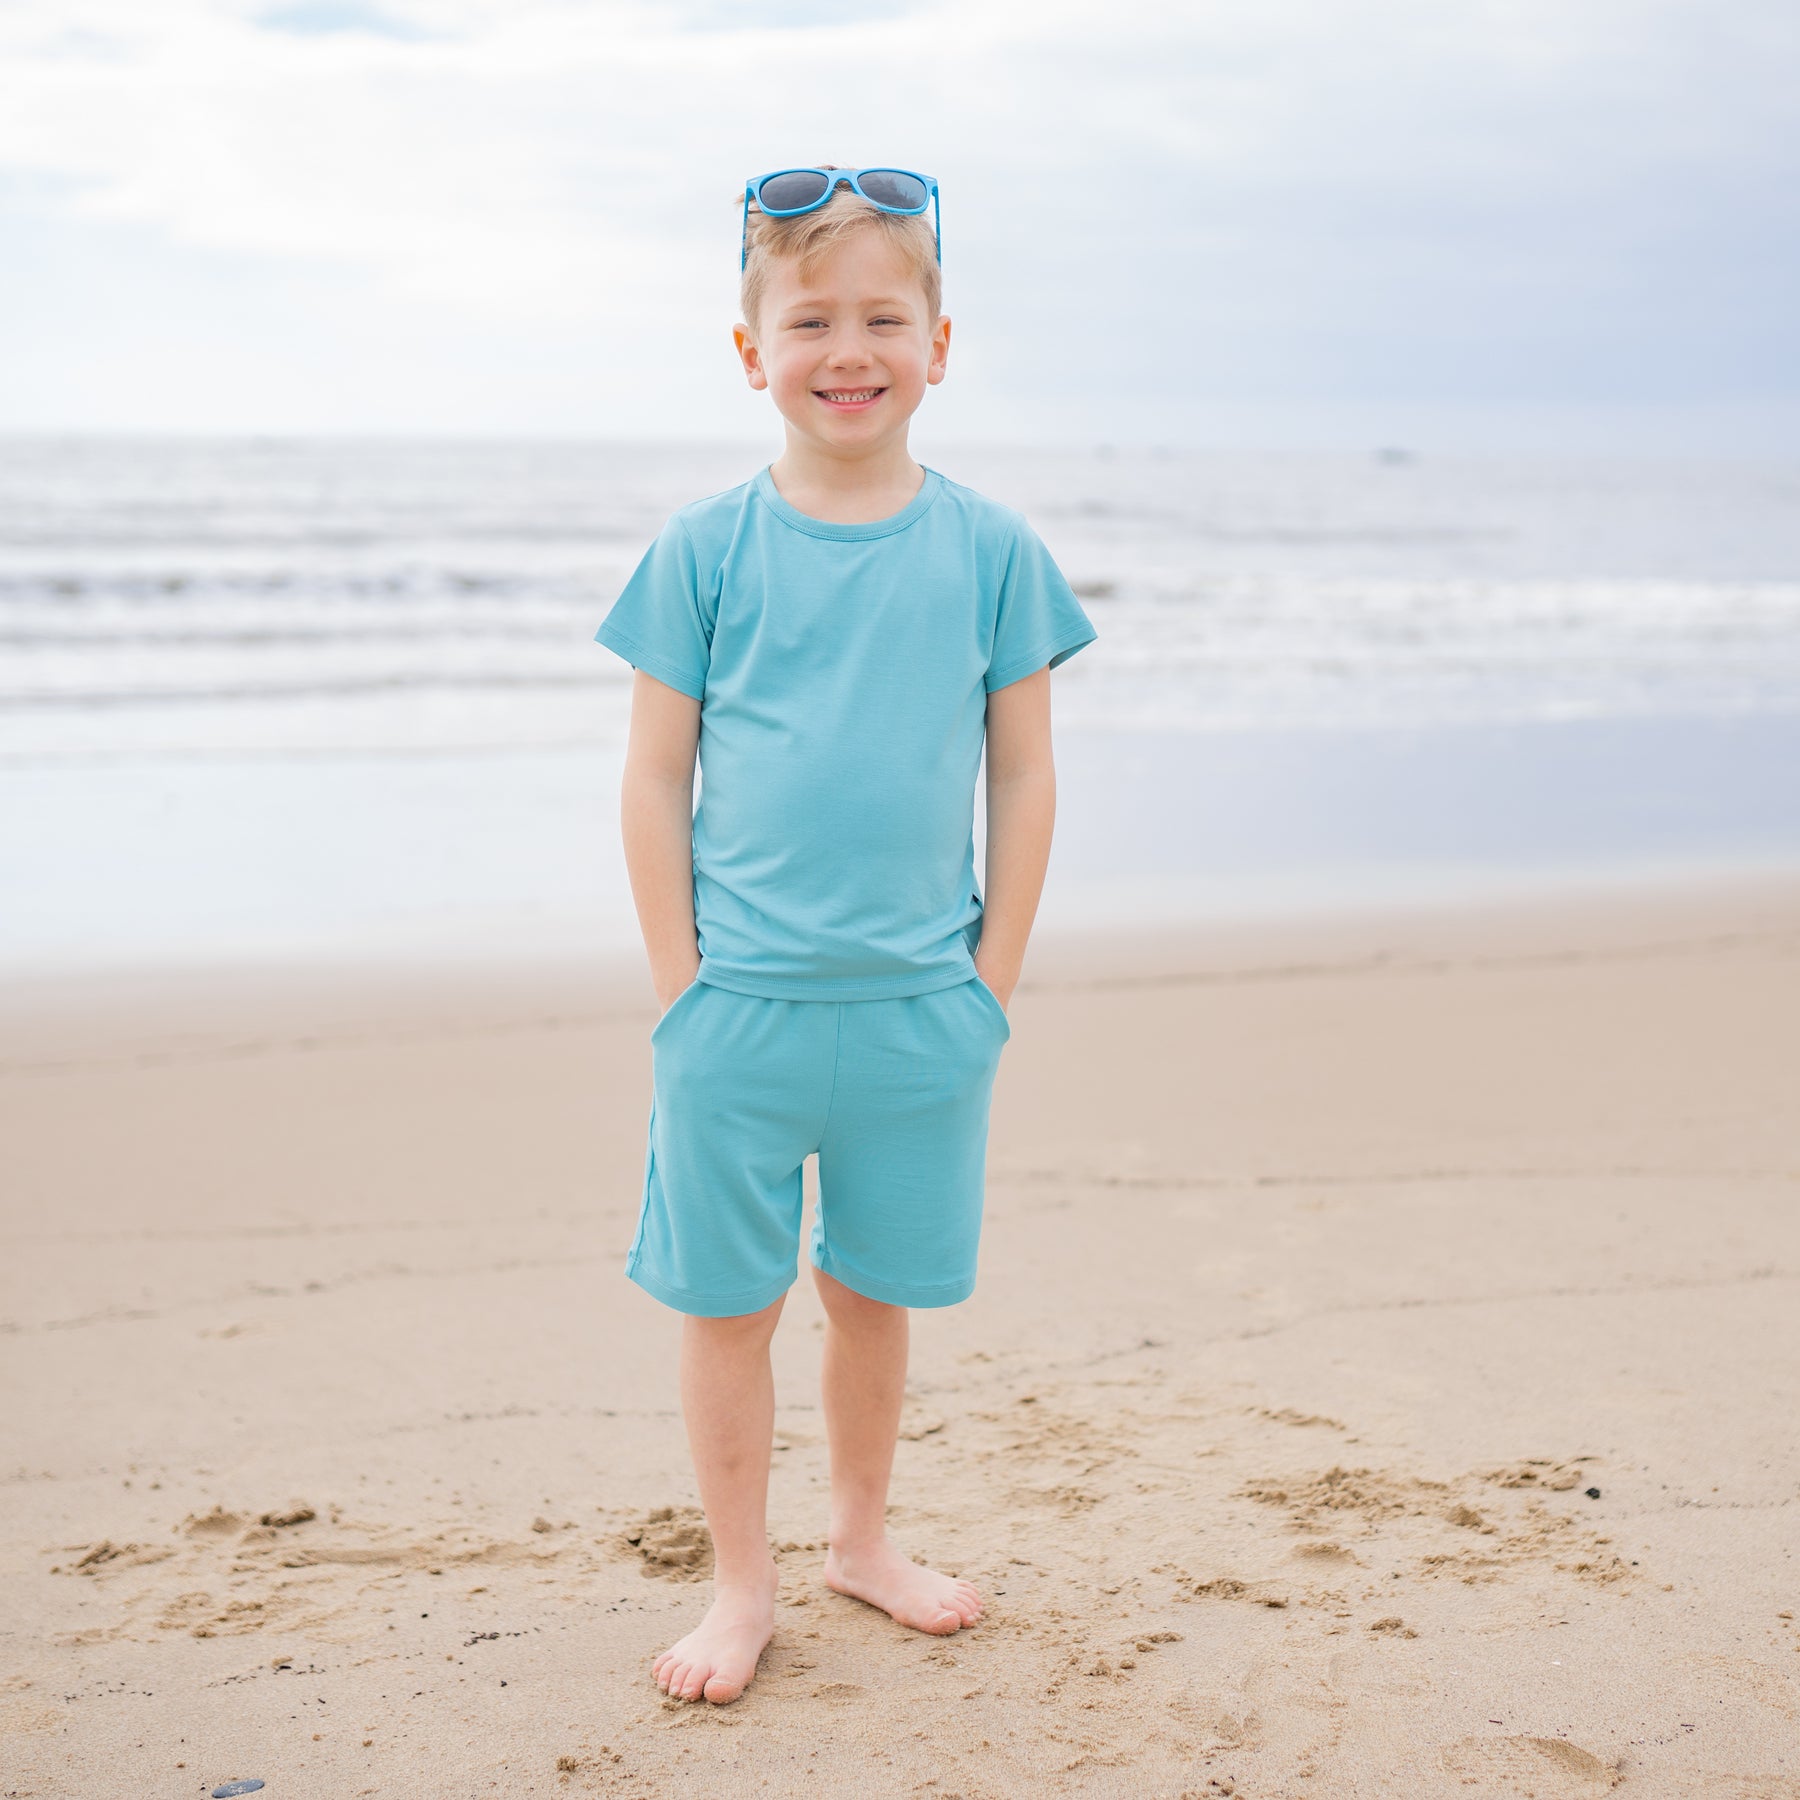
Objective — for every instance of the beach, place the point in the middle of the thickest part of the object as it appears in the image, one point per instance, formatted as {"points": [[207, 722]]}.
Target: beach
{"points": [[1380, 1381], [1382, 1372]]}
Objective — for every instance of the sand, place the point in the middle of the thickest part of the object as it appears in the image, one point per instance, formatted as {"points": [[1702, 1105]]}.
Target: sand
{"points": [[1382, 1381]]}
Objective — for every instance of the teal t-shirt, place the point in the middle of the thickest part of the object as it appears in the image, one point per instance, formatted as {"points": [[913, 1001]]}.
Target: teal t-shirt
{"points": [[843, 674]]}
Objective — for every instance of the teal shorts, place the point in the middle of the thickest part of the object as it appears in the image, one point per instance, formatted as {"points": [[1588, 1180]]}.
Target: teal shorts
{"points": [[892, 1096]]}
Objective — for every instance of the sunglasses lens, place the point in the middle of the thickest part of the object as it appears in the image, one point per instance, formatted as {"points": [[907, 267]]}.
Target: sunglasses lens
{"points": [[891, 187], [784, 193]]}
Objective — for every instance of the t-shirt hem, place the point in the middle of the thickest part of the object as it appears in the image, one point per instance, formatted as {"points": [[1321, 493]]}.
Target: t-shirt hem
{"points": [[812, 987], [1059, 649], [652, 664]]}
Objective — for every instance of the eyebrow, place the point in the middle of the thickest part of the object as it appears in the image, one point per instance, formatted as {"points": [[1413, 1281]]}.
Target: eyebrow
{"points": [[813, 303]]}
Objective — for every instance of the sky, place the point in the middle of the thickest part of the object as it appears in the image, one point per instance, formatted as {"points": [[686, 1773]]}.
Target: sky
{"points": [[1452, 224]]}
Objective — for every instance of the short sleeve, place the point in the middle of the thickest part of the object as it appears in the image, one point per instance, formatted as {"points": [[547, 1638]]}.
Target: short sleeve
{"points": [[658, 624], [1040, 622]]}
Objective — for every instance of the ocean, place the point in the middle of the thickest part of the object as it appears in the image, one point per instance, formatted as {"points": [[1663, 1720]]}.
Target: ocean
{"points": [[271, 698]]}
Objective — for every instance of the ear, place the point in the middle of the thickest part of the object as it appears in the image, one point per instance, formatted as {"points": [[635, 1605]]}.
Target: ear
{"points": [[749, 356], [940, 349]]}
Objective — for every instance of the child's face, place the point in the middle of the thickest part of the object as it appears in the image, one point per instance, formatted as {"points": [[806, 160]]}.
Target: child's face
{"points": [[847, 356]]}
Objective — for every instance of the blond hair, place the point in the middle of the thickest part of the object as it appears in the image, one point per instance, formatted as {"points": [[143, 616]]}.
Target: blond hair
{"points": [[811, 237]]}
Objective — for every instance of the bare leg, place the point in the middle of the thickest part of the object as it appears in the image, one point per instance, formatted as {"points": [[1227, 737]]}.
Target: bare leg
{"points": [[864, 1384], [728, 1401]]}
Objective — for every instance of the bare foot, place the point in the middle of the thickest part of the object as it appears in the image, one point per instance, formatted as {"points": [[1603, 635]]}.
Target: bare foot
{"points": [[718, 1657], [905, 1590]]}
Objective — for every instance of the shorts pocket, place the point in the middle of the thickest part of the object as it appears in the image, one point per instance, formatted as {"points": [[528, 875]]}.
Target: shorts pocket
{"points": [[994, 1006], [679, 1004]]}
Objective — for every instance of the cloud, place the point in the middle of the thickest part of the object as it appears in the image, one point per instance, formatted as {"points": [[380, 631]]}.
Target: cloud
{"points": [[1298, 192], [316, 18]]}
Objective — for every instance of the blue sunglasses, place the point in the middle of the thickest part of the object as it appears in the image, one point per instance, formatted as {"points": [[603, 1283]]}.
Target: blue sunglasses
{"points": [[787, 193]]}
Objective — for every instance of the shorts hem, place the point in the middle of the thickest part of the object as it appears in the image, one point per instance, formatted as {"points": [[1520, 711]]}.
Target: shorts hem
{"points": [[891, 1294], [703, 1306]]}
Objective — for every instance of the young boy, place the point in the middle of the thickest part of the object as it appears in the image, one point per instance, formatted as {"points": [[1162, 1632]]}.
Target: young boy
{"points": [[832, 636]]}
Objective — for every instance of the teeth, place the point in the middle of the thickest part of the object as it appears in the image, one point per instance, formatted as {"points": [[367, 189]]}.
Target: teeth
{"points": [[859, 394]]}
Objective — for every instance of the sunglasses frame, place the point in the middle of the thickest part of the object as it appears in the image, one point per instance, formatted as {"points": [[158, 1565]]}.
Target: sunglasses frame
{"points": [[834, 178]]}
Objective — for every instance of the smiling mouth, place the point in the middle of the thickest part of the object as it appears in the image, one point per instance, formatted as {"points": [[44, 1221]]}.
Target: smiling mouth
{"points": [[849, 396]]}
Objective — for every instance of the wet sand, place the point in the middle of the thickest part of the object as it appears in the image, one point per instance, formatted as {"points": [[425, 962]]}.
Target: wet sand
{"points": [[1381, 1382]]}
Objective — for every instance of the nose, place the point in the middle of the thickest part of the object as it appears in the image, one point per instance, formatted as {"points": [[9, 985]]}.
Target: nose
{"points": [[849, 349]]}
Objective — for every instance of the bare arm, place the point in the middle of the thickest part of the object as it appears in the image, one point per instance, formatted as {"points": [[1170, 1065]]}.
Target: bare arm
{"points": [[656, 812], [1021, 816]]}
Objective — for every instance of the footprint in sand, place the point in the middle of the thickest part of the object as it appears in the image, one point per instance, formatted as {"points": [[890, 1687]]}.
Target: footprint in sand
{"points": [[1548, 1768], [673, 1543], [1541, 1472], [1326, 1553], [106, 1558]]}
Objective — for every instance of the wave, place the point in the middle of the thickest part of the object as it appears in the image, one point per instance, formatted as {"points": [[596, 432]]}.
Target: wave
{"points": [[250, 594], [259, 637], [336, 689]]}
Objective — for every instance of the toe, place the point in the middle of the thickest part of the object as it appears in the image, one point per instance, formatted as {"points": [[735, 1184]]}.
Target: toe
{"points": [[722, 1689]]}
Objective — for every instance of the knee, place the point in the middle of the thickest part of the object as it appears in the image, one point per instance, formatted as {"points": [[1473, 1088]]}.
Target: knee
{"points": [[738, 1329], [846, 1307]]}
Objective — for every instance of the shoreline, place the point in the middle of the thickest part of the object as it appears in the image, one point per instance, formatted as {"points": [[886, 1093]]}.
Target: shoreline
{"points": [[162, 1008], [438, 860]]}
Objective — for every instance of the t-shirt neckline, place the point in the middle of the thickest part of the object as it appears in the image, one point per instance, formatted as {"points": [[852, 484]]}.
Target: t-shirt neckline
{"points": [[770, 495]]}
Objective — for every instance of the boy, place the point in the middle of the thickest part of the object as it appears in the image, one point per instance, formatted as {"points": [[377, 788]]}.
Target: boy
{"points": [[832, 636]]}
